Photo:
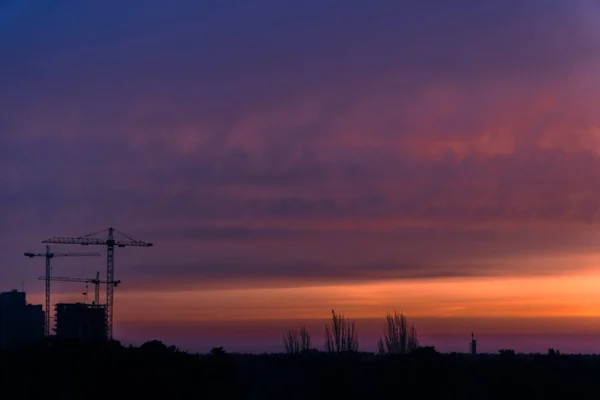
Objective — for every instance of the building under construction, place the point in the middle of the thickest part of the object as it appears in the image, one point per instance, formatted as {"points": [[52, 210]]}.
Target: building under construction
{"points": [[80, 321]]}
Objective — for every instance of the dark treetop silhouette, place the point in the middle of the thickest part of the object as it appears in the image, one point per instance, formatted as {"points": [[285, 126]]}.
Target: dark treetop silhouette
{"points": [[71, 370], [66, 369]]}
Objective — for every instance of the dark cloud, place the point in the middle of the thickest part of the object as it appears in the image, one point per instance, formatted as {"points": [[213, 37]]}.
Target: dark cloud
{"points": [[219, 59], [418, 253], [296, 274], [300, 274], [227, 233]]}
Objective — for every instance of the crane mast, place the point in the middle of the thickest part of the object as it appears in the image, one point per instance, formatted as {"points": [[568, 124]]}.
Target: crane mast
{"points": [[48, 255], [110, 275], [110, 244], [97, 288]]}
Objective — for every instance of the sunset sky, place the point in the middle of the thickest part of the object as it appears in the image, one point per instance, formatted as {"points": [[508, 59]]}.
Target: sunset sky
{"points": [[439, 158]]}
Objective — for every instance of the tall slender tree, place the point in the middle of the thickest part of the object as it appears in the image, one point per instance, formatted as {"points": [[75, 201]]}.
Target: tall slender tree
{"points": [[297, 341], [291, 341], [398, 337], [305, 341], [341, 336]]}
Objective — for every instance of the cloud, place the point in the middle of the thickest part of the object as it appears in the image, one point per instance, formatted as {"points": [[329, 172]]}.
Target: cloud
{"points": [[226, 233], [273, 132], [330, 256], [249, 274]]}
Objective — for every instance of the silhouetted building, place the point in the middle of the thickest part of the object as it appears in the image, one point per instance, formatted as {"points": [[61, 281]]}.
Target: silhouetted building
{"points": [[473, 345], [20, 323], [79, 321]]}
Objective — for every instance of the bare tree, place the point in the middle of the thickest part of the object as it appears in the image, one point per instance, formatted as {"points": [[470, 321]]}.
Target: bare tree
{"points": [[398, 336], [295, 341], [291, 341], [341, 337], [413, 341], [305, 341]]}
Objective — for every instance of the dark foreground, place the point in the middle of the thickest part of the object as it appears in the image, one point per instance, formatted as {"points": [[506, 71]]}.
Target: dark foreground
{"points": [[110, 371]]}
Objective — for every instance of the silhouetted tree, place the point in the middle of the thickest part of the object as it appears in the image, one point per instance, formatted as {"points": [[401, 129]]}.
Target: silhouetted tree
{"points": [[552, 352], [217, 351], [507, 352], [398, 336], [295, 341], [154, 346], [425, 350], [291, 341], [305, 341], [341, 337]]}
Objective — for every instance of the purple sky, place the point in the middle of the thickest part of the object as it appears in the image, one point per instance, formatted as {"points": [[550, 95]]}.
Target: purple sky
{"points": [[275, 145]]}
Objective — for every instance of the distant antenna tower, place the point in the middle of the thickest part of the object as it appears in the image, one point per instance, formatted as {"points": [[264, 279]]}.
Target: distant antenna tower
{"points": [[473, 344], [85, 294]]}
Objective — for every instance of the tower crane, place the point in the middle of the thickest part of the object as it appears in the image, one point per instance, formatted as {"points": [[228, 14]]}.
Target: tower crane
{"points": [[95, 281], [110, 244], [48, 255]]}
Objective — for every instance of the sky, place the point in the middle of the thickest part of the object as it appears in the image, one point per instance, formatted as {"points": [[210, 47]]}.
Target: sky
{"points": [[287, 158]]}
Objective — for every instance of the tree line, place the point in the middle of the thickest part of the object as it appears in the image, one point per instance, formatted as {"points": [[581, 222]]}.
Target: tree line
{"points": [[397, 336]]}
